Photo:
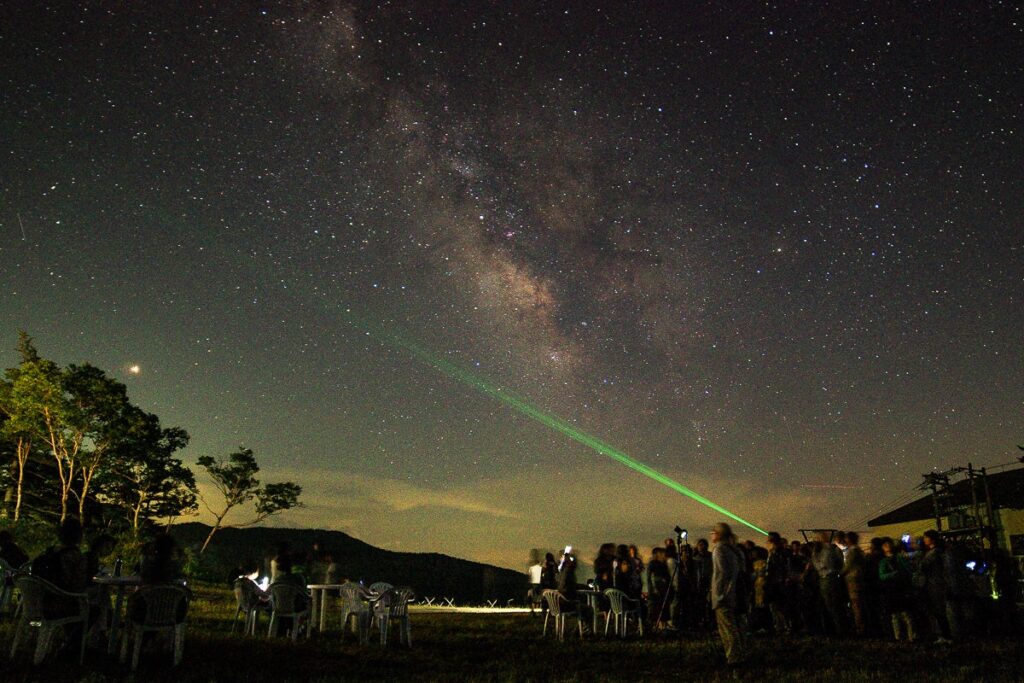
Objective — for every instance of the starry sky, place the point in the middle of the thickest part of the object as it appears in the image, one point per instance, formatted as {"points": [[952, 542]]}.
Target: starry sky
{"points": [[773, 250]]}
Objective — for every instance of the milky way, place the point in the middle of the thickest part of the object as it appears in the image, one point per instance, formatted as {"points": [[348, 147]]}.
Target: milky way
{"points": [[772, 251]]}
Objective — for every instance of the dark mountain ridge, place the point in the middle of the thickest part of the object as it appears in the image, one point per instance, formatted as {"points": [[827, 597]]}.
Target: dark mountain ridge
{"points": [[430, 574]]}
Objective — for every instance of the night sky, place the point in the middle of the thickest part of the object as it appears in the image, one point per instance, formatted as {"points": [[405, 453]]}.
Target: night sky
{"points": [[772, 250]]}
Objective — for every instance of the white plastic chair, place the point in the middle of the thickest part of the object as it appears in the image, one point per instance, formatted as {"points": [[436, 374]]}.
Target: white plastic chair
{"points": [[393, 605], [355, 602], [376, 589], [555, 602], [34, 592], [622, 608], [285, 599], [247, 596], [155, 609]]}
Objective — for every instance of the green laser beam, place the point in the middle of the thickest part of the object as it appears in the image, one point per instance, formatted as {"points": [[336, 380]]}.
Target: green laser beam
{"points": [[520, 404], [530, 410]]}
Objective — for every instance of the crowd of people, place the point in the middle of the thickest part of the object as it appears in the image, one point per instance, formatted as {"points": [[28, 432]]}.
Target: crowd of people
{"points": [[909, 590]]}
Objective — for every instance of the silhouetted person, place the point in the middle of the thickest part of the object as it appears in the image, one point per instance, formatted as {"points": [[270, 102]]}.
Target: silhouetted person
{"points": [[853, 574], [64, 566], [102, 546], [828, 563], [161, 560], [933, 575], [702, 567], [549, 575], [895, 580], [286, 576], [11, 552], [728, 562], [604, 567], [658, 579], [567, 580]]}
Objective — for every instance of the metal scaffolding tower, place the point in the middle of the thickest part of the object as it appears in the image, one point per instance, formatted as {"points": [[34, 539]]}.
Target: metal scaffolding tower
{"points": [[964, 504]]}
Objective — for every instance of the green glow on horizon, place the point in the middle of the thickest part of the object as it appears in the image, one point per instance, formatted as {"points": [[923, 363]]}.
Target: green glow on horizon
{"points": [[545, 418]]}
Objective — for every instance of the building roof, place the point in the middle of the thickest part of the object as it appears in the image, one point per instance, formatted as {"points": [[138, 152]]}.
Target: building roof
{"points": [[1006, 489]]}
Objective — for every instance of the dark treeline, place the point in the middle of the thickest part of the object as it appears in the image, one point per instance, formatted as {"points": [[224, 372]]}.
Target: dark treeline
{"points": [[73, 445]]}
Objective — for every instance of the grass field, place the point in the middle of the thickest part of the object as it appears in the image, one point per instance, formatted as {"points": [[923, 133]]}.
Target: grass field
{"points": [[508, 647]]}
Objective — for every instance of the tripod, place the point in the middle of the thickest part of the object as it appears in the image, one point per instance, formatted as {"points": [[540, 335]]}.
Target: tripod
{"points": [[673, 588]]}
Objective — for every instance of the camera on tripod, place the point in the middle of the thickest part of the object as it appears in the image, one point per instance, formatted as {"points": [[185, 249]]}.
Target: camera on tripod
{"points": [[681, 534]]}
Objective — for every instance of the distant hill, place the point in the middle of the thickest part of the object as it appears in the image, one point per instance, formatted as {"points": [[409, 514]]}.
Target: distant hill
{"points": [[430, 574]]}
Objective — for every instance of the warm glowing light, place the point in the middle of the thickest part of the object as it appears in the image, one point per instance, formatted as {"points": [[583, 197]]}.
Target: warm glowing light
{"points": [[134, 369], [545, 418]]}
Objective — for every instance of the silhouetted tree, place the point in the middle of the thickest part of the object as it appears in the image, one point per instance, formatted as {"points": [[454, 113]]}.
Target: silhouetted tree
{"points": [[99, 406], [142, 476], [235, 478]]}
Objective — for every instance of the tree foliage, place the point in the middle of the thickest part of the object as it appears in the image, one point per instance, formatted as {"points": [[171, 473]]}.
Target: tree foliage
{"points": [[38, 409], [234, 478], [71, 438], [100, 447], [143, 478]]}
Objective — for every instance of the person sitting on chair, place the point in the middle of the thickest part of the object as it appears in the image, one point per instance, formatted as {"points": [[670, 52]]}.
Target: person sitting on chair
{"points": [[255, 595], [64, 566], [285, 576]]}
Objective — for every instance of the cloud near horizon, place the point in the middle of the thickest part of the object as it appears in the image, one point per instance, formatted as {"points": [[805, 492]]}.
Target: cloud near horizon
{"points": [[584, 509], [328, 492]]}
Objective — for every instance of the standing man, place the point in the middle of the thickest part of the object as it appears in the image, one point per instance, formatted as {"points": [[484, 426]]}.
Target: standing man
{"points": [[727, 563], [854, 572], [933, 571], [703, 567], [828, 563], [533, 595]]}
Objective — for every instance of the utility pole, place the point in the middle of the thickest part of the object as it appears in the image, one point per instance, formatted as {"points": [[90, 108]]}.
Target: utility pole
{"points": [[968, 517]]}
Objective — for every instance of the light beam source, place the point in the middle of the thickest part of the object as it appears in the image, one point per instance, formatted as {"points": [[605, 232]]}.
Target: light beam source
{"points": [[545, 418]]}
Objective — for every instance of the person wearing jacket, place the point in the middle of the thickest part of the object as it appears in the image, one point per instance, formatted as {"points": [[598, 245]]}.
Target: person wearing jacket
{"points": [[727, 562]]}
